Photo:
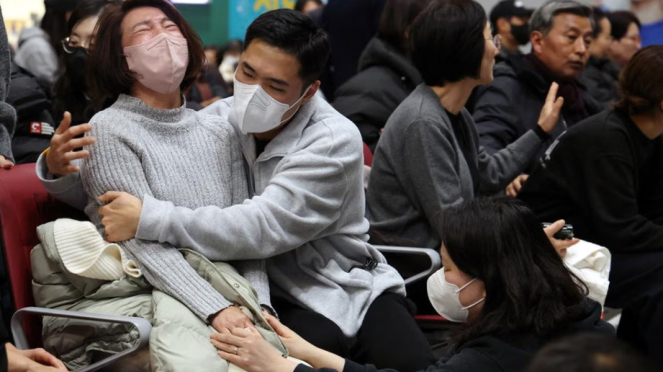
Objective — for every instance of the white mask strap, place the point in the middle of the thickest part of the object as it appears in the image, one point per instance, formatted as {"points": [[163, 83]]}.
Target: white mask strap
{"points": [[466, 285], [474, 304], [295, 104]]}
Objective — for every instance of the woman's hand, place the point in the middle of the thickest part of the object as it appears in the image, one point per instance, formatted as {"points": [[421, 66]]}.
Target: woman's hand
{"points": [[246, 348], [230, 318], [550, 111], [514, 187], [120, 216], [64, 141], [297, 346], [34, 360], [560, 245]]}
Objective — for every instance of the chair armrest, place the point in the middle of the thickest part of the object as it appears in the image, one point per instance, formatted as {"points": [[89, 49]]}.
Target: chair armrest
{"points": [[433, 256], [142, 325]]}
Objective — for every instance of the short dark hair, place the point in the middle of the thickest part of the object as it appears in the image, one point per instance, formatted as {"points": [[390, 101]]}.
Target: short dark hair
{"points": [[395, 22], [447, 42], [109, 74], [296, 34], [598, 15], [589, 352], [620, 22], [641, 81], [300, 4], [528, 287]]}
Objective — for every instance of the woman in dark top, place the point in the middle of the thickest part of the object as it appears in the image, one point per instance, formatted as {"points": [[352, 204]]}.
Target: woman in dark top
{"points": [[605, 176], [501, 276], [70, 91]]}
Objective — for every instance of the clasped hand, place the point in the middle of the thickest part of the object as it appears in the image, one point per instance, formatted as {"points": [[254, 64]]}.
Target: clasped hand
{"points": [[120, 215]]}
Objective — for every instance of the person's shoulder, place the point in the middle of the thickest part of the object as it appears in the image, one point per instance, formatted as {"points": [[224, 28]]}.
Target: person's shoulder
{"points": [[604, 129], [219, 108], [476, 356], [328, 126], [216, 124]]}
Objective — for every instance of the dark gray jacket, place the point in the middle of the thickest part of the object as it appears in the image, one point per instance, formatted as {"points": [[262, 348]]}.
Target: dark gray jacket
{"points": [[511, 105], [385, 79], [600, 78], [419, 169]]}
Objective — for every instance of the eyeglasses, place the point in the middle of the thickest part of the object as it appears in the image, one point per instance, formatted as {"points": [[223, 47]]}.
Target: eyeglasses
{"points": [[497, 40], [69, 49]]}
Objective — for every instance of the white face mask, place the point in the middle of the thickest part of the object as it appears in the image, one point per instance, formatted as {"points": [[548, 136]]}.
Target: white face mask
{"points": [[256, 111], [445, 298]]}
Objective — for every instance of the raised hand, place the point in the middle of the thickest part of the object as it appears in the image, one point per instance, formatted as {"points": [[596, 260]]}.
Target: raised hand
{"points": [[64, 141]]}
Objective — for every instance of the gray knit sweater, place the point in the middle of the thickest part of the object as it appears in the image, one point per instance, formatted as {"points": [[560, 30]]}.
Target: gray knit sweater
{"points": [[162, 153]]}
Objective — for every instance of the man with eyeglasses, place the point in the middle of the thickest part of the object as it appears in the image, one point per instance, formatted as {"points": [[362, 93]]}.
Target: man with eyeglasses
{"points": [[561, 32]]}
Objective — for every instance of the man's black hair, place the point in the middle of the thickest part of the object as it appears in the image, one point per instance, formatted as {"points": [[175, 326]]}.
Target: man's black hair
{"points": [[296, 34]]}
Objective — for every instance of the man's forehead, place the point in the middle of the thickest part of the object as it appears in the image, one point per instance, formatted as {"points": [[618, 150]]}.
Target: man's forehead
{"points": [[271, 62]]}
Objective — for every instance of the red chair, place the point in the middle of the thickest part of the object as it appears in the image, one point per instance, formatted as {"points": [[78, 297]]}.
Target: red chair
{"points": [[24, 205], [368, 155]]}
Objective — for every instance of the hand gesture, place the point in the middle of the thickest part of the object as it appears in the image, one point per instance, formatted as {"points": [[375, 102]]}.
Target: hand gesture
{"points": [[550, 111], [61, 154]]}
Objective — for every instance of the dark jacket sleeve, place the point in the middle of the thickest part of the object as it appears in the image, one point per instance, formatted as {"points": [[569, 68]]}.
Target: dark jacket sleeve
{"points": [[616, 214], [7, 113], [468, 360], [496, 114]]}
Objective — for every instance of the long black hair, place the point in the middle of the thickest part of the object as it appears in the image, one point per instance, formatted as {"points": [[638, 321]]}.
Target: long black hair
{"points": [[69, 90], [528, 288]]}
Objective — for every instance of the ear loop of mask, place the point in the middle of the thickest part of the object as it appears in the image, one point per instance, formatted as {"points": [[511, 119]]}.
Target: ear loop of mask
{"points": [[465, 286], [295, 104]]}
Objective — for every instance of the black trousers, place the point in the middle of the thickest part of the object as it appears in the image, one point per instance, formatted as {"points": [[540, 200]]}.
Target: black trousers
{"points": [[636, 286], [389, 337]]}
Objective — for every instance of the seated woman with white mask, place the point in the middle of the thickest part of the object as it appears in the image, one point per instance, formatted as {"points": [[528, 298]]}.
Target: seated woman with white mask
{"points": [[147, 143], [501, 277]]}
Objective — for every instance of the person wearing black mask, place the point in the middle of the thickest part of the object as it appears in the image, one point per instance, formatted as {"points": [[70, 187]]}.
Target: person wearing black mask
{"points": [[69, 90], [510, 18]]}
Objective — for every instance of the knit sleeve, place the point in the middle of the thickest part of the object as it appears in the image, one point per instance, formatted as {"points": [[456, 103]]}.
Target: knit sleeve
{"points": [[114, 165]]}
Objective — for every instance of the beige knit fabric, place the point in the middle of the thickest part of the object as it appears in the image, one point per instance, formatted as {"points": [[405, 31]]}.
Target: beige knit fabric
{"points": [[84, 252]]}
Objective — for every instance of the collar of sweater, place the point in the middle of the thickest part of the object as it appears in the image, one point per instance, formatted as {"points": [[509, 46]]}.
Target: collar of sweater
{"points": [[171, 117]]}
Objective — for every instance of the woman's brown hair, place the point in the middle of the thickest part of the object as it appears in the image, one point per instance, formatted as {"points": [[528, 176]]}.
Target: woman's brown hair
{"points": [[109, 75], [641, 81]]}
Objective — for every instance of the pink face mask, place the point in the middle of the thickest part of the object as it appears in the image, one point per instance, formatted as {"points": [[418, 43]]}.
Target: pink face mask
{"points": [[159, 63]]}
